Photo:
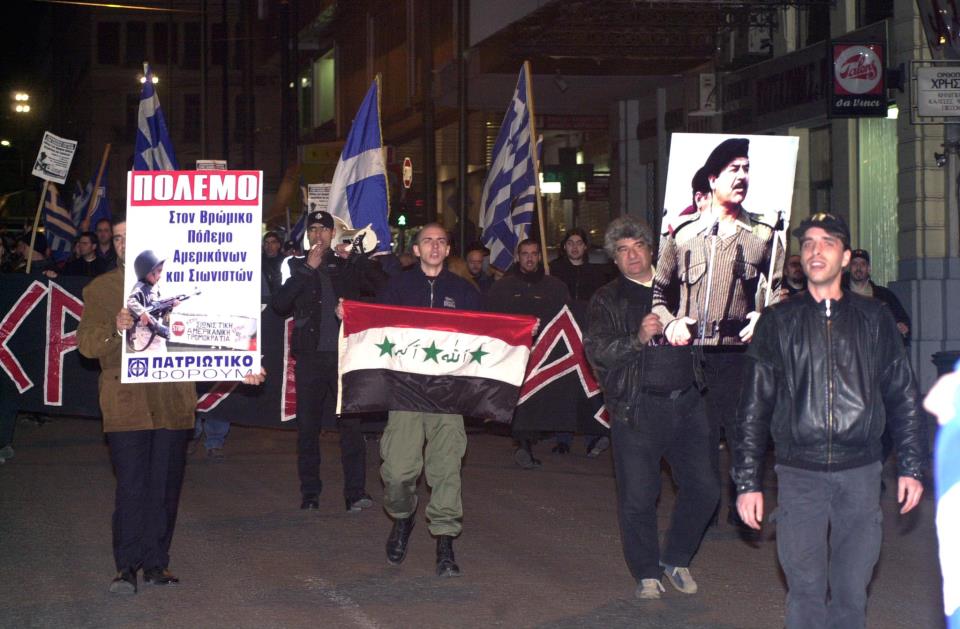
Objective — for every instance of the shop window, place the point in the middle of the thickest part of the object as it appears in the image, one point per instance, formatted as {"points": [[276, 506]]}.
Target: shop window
{"points": [[191, 118], [165, 44], [191, 45], [136, 48], [108, 43]]}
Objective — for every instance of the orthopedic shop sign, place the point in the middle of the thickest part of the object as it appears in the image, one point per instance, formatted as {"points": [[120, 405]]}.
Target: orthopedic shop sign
{"points": [[192, 275]]}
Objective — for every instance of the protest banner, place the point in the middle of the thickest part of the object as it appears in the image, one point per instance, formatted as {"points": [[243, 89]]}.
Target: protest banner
{"points": [[54, 158], [192, 278]]}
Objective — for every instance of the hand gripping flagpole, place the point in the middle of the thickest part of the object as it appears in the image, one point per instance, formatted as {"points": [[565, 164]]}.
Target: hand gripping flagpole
{"points": [[527, 79], [777, 228]]}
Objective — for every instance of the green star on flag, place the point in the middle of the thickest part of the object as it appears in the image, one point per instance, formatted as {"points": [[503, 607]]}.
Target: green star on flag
{"points": [[478, 354], [386, 347], [431, 352]]}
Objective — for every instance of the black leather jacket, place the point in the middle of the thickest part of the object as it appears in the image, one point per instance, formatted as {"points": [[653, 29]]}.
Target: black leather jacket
{"points": [[823, 379]]}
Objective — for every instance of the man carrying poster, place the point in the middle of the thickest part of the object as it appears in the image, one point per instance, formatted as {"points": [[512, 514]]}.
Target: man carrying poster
{"points": [[718, 265]]}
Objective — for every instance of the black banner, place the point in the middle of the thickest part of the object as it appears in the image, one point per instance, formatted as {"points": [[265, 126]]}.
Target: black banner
{"points": [[40, 363]]}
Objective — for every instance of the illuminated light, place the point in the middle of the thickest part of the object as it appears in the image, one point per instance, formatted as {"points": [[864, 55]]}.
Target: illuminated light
{"points": [[550, 187], [942, 40], [4, 142], [304, 81], [893, 112], [21, 96], [579, 157], [581, 187], [153, 79], [401, 220]]}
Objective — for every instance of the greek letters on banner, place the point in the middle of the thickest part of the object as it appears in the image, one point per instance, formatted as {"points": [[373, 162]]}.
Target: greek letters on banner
{"points": [[192, 275]]}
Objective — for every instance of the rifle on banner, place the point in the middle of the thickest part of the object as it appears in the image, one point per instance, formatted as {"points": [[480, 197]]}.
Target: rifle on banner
{"points": [[155, 312]]}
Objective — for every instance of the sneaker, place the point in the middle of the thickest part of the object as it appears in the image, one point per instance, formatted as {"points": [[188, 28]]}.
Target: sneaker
{"points": [[680, 579], [524, 458], [216, 454], [597, 446], [359, 504], [124, 583], [649, 589], [6, 453]]}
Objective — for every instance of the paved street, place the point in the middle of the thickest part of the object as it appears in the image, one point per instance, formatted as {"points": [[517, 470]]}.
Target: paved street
{"points": [[539, 549]]}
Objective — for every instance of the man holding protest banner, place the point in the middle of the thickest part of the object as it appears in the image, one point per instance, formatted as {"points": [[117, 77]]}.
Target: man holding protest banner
{"points": [[427, 284], [147, 427], [312, 286]]}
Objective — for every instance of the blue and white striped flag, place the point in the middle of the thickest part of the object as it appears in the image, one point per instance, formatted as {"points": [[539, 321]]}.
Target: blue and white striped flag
{"points": [[58, 225], [85, 215], [153, 149], [509, 193], [80, 202], [358, 193]]}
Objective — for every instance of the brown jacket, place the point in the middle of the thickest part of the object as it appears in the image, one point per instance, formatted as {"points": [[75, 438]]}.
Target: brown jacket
{"points": [[169, 405]]}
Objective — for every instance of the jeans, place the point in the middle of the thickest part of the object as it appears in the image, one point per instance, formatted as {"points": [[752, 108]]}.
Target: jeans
{"points": [[316, 375], [677, 431], [724, 379], [149, 468], [214, 428], [404, 457], [828, 535]]}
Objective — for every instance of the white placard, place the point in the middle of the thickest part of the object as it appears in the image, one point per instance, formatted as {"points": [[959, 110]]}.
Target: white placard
{"points": [[54, 158], [211, 164], [202, 302], [318, 196], [938, 91]]}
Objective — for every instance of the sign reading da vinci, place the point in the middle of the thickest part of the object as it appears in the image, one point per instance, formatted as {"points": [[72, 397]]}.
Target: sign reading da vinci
{"points": [[858, 85]]}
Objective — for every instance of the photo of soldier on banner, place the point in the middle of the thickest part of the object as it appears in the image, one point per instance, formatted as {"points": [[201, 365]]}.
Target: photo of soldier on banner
{"points": [[726, 209], [192, 278]]}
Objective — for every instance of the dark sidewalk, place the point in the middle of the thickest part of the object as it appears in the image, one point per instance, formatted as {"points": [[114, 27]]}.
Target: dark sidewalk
{"points": [[539, 549]]}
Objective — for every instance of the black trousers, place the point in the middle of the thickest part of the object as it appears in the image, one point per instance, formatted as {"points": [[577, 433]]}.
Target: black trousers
{"points": [[316, 374], [723, 372], [675, 430], [149, 468]]}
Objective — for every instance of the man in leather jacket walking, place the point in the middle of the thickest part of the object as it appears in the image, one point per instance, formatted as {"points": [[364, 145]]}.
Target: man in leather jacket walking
{"points": [[825, 372]]}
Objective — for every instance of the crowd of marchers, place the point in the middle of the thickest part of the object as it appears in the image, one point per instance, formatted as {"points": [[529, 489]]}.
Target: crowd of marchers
{"points": [[823, 373]]}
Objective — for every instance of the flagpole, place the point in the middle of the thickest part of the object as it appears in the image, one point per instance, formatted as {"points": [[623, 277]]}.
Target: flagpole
{"points": [[536, 166], [383, 148], [36, 222], [95, 193]]}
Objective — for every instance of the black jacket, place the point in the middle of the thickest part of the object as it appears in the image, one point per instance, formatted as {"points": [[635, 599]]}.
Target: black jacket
{"points": [[301, 294], [824, 383], [412, 287], [625, 367]]}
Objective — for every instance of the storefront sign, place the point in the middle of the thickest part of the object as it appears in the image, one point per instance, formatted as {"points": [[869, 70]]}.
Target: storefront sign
{"points": [[859, 86], [938, 91]]}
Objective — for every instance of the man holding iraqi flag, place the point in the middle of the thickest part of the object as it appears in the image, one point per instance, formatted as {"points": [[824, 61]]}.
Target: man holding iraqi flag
{"points": [[428, 367]]}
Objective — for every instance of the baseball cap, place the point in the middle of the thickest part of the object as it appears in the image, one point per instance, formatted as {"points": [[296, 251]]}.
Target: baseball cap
{"points": [[860, 253], [324, 218], [827, 222]]}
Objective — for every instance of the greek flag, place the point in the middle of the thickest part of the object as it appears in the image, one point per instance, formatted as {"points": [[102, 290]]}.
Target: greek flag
{"points": [[58, 224], [358, 193], [85, 215], [944, 402], [509, 193], [153, 149]]}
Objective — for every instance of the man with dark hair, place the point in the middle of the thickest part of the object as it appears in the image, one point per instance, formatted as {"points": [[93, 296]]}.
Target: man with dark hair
{"points": [[311, 289], [475, 256], [720, 263], [651, 391], [527, 290], [574, 269], [425, 285], [825, 373], [858, 280], [146, 426], [105, 248], [270, 264], [86, 263], [796, 281]]}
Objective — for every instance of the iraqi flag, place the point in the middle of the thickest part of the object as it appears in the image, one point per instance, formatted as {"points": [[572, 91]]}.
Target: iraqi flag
{"points": [[432, 360]]}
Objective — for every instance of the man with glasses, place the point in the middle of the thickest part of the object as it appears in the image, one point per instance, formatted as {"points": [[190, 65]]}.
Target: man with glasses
{"points": [[426, 285]]}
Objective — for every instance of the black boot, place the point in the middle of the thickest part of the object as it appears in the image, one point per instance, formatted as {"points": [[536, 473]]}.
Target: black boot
{"points": [[397, 542], [446, 564]]}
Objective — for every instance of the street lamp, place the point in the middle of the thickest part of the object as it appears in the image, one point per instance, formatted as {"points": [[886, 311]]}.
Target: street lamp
{"points": [[21, 104], [153, 79]]}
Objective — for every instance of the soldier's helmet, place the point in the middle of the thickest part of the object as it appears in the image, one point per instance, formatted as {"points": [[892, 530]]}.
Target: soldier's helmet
{"points": [[146, 262]]}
